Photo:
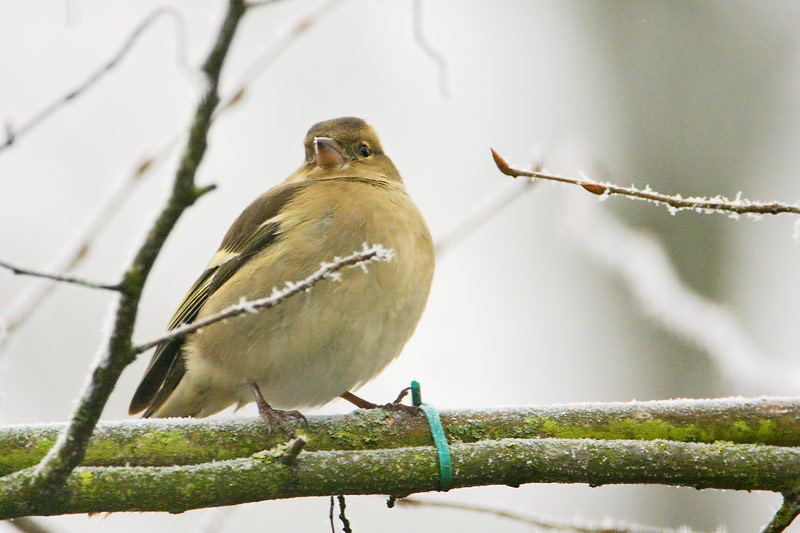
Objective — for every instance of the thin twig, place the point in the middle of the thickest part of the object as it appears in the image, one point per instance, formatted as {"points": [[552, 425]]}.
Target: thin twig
{"points": [[12, 134], [718, 204], [342, 515], [544, 522], [20, 271], [330, 515], [326, 270], [785, 515], [49, 476], [424, 43]]}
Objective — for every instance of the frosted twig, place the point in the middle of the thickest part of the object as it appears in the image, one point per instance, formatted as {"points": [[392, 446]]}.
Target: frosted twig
{"points": [[480, 215], [367, 255], [12, 134], [424, 43], [645, 267], [718, 204], [58, 277], [540, 521]]}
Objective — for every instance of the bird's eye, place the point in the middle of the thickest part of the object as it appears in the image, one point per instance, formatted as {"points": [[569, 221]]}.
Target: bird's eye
{"points": [[364, 151]]}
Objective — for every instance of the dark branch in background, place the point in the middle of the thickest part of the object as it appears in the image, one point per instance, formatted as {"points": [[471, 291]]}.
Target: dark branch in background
{"points": [[719, 204], [326, 270], [12, 134], [58, 277], [48, 478], [427, 47]]}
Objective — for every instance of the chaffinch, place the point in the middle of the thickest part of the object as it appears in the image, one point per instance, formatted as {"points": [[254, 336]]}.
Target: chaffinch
{"points": [[318, 345]]}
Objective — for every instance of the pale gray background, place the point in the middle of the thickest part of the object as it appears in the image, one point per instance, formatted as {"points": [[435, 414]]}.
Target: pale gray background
{"points": [[696, 98]]}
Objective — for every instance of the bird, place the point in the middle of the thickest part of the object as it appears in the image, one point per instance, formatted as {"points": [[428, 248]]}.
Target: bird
{"points": [[317, 345]]}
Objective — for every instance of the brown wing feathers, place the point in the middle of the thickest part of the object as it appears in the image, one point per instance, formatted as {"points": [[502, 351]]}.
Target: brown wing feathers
{"points": [[252, 232]]}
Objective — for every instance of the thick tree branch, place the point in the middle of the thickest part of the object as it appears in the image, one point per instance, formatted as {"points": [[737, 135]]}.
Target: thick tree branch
{"points": [[47, 478], [767, 421], [718, 204], [403, 471]]}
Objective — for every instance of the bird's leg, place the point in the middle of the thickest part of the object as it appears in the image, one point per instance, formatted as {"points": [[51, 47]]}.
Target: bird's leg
{"points": [[361, 403], [270, 415]]}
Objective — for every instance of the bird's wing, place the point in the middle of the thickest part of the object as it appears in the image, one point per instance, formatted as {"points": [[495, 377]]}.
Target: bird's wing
{"points": [[256, 228]]}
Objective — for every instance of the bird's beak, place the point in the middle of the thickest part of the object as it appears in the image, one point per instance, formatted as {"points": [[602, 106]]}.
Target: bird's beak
{"points": [[329, 155]]}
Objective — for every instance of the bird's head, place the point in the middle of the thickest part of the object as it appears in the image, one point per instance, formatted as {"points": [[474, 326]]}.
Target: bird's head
{"points": [[346, 146]]}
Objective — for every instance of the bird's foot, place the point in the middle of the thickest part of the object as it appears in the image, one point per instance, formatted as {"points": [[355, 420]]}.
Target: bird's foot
{"points": [[361, 403], [270, 415]]}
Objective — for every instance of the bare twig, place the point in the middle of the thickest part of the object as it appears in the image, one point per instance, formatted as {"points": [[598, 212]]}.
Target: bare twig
{"points": [[330, 516], [785, 515], [342, 515], [718, 204], [424, 43], [545, 522], [20, 271], [12, 134], [647, 270], [48, 478], [326, 270]]}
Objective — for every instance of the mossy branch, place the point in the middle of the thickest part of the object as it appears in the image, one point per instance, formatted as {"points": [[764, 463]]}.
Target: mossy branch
{"points": [[740, 444], [767, 421], [403, 471]]}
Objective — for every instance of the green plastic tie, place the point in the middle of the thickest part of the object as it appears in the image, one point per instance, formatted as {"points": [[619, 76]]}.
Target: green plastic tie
{"points": [[439, 438]]}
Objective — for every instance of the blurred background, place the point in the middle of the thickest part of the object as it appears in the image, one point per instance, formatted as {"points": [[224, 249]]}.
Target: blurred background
{"points": [[535, 307]]}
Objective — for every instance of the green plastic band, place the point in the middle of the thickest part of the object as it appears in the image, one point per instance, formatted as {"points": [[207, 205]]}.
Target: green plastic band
{"points": [[439, 438]]}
